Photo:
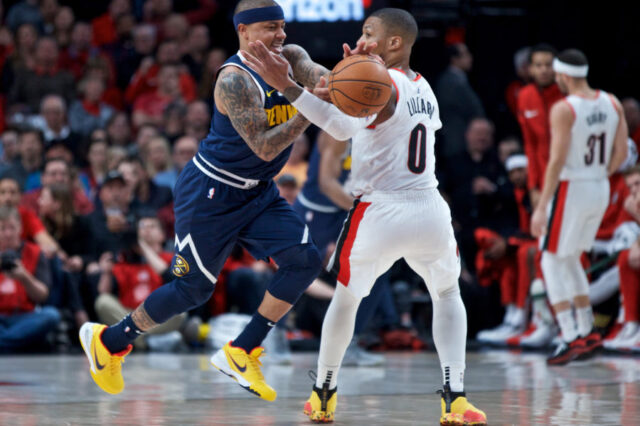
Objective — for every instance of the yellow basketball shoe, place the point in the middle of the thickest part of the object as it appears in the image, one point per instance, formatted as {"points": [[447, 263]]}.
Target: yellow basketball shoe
{"points": [[321, 405], [244, 368], [106, 368], [457, 411]]}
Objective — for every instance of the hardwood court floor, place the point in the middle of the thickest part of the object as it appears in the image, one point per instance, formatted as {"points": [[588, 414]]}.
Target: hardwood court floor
{"points": [[167, 389]]}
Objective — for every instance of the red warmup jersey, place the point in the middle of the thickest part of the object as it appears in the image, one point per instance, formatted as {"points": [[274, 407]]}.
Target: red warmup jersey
{"points": [[137, 281], [615, 213], [534, 105]]}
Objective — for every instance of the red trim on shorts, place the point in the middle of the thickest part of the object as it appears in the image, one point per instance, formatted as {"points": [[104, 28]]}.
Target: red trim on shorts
{"points": [[344, 274], [571, 106], [556, 224]]}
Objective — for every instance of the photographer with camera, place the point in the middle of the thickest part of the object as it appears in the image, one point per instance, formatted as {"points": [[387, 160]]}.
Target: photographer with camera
{"points": [[25, 278]]}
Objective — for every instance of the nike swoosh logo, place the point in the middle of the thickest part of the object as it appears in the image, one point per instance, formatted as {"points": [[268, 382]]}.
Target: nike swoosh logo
{"points": [[269, 93], [240, 369], [95, 357]]}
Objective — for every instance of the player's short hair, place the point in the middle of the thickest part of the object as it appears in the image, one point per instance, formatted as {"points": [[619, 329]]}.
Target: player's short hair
{"points": [[398, 22], [253, 4], [573, 57], [542, 48]]}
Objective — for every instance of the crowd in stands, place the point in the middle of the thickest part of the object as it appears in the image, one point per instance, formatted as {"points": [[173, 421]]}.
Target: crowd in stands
{"points": [[101, 115]]}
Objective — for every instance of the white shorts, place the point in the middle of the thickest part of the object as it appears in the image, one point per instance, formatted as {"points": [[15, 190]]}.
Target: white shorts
{"points": [[575, 214], [384, 227]]}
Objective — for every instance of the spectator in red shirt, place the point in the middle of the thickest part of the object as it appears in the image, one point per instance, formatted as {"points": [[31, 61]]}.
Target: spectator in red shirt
{"points": [[534, 103], [125, 284], [104, 27], [57, 171], [149, 108], [25, 280], [146, 78], [32, 227]]}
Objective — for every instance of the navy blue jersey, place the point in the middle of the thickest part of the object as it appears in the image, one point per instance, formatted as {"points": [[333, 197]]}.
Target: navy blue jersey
{"points": [[224, 147], [311, 194]]}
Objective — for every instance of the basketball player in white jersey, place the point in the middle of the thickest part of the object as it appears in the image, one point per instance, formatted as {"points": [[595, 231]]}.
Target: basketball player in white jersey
{"points": [[398, 212], [588, 143]]}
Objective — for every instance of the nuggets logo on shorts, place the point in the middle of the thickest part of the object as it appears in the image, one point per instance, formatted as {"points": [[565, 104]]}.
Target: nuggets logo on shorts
{"points": [[180, 266]]}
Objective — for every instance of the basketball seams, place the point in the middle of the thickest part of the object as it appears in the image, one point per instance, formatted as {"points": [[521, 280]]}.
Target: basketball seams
{"points": [[361, 81], [355, 100]]}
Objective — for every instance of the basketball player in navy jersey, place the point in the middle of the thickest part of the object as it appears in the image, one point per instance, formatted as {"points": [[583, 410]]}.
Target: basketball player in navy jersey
{"points": [[225, 195]]}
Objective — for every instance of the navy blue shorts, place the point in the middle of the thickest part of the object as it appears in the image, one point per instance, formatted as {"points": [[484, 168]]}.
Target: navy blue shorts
{"points": [[212, 216], [323, 227]]}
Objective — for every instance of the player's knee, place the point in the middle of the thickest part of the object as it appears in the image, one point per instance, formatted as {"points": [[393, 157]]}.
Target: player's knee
{"points": [[195, 291], [298, 267], [451, 291]]}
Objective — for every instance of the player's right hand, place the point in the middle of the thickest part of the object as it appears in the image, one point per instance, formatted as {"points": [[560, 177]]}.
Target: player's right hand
{"points": [[361, 49], [321, 90]]}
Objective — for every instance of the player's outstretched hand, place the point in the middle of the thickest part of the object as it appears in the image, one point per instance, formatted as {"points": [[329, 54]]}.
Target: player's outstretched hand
{"points": [[321, 90], [362, 48], [274, 69], [539, 223]]}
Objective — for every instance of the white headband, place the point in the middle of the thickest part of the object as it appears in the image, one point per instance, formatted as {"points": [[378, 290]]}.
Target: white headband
{"points": [[570, 70], [516, 161]]}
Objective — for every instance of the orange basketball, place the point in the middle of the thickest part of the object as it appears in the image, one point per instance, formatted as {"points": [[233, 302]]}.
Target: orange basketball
{"points": [[359, 86]]}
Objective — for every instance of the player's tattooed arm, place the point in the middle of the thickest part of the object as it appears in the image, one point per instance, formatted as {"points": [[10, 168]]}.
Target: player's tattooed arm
{"points": [[305, 71], [142, 319], [239, 98]]}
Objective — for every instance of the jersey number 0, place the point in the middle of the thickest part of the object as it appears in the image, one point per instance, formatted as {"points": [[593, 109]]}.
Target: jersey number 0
{"points": [[418, 149]]}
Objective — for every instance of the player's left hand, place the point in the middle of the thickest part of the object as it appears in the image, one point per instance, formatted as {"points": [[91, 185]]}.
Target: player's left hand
{"points": [[539, 223], [274, 69]]}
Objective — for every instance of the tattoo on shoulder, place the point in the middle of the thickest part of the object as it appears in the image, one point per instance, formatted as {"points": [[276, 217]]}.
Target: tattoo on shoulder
{"points": [[142, 319]]}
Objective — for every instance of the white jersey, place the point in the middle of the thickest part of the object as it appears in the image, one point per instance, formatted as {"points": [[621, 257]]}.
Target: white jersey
{"points": [[592, 136], [399, 154]]}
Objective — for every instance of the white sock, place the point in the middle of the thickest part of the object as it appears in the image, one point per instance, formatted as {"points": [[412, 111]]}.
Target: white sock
{"points": [[337, 331], [567, 325], [584, 319], [450, 337], [508, 315]]}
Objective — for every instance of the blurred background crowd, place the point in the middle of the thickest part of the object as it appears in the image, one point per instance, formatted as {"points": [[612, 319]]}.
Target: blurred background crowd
{"points": [[104, 102]]}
